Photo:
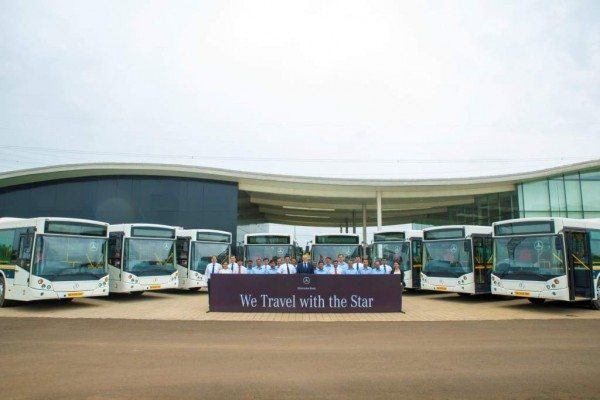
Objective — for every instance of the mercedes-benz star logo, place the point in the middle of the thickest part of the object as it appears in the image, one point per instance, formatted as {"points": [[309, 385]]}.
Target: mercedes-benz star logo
{"points": [[539, 246], [306, 280]]}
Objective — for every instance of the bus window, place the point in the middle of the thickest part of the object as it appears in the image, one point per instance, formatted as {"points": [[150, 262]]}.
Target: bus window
{"points": [[115, 243], [25, 245], [6, 246], [417, 252], [182, 246]]}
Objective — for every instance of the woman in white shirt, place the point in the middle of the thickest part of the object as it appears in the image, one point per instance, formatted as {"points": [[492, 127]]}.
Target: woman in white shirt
{"points": [[398, 271], [225, 268]]}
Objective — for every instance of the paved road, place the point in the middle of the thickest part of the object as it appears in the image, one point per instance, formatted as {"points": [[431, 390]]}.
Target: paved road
{"points": [[130, 359]]}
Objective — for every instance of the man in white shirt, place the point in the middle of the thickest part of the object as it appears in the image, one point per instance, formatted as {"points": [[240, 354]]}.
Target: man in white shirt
{"points": [[336, 269], [213, 268], [238, 268], [358, 262], [287, 267], [387, 268]]}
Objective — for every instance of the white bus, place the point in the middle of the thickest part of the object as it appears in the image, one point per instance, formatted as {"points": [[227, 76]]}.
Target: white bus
{"points": [[52, 258], [141, 257], [332, 245], [547, 258], [269, 245], [404, 245], [457, 258], [195, 248]]}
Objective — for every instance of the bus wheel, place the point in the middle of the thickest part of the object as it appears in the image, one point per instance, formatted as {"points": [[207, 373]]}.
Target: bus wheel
{"points": [[464, 294], [595, 304], [3, 301], [536, 300], [138, 293], [194, 289]]}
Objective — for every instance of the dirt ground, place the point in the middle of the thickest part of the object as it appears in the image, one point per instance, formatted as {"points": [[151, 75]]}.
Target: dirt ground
{"points": [[130, 359]]}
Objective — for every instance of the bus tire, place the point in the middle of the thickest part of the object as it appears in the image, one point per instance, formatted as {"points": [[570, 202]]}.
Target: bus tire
{"points": [[194, 289], [3, 301], [536, 300], [464, 294], [595, 304], [138, 293]]}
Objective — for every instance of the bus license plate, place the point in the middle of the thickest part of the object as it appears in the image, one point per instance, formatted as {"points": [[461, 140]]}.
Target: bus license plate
{"points": [[522, 293], [442, 288], [154, 286], [75, 294]]}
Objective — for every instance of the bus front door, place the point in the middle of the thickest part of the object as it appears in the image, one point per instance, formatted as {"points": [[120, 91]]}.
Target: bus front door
{"points": [[417, 262], [24, 259], [578, 265]]}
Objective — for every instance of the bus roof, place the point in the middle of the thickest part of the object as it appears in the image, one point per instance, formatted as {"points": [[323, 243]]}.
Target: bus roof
{"points": [[469, 229], [559, 222], [408, 233], [193, 233], [39, 222]]}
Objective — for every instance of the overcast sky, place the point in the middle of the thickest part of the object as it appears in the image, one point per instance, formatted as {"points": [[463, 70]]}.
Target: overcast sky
{"points": [[391, 89]]}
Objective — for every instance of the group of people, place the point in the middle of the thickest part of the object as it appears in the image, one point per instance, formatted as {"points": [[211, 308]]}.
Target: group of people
{"points": [[339, 266]]}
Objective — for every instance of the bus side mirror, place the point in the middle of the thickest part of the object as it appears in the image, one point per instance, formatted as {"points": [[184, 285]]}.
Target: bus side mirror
{"points": [[558, 243], [466, 246]]}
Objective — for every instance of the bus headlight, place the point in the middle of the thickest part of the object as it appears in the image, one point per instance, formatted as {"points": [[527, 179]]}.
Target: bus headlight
{"points": [[556, 281]]}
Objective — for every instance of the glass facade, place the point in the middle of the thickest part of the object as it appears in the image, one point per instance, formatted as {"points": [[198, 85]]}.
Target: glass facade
{"points": [[574, 196]]}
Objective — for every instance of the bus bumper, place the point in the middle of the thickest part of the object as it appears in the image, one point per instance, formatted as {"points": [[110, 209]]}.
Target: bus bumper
{"points": [[190, 283], [542, 290], [452, 285], [142, 284]]}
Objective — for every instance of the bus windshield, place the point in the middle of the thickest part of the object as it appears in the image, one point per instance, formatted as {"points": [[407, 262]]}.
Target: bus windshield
{"points": [[532, 258], [203, 252], [67, 258], [390, 251], [447, 258], [147, 257], [271, 252], [320, 251]]}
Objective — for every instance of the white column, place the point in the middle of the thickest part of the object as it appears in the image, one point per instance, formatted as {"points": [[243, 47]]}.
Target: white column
{"points": [[379, 218], [364, 224]]}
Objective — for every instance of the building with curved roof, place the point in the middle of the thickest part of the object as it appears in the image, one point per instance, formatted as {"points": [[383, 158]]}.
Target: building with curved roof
{"points": [[193, 196]]}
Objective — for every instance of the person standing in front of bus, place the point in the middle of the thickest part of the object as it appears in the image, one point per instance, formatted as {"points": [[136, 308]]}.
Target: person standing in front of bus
{"points": [[212, 268], [271, 268], [386, 267], [336, 269], [320, 270], [351, 269], [377, 269], [287, 267], [358, 262], [259, 268], [341, 259], [365, 269], [225, 268], [398, 271], [328, 264], [306, 267], [238, 268]]}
